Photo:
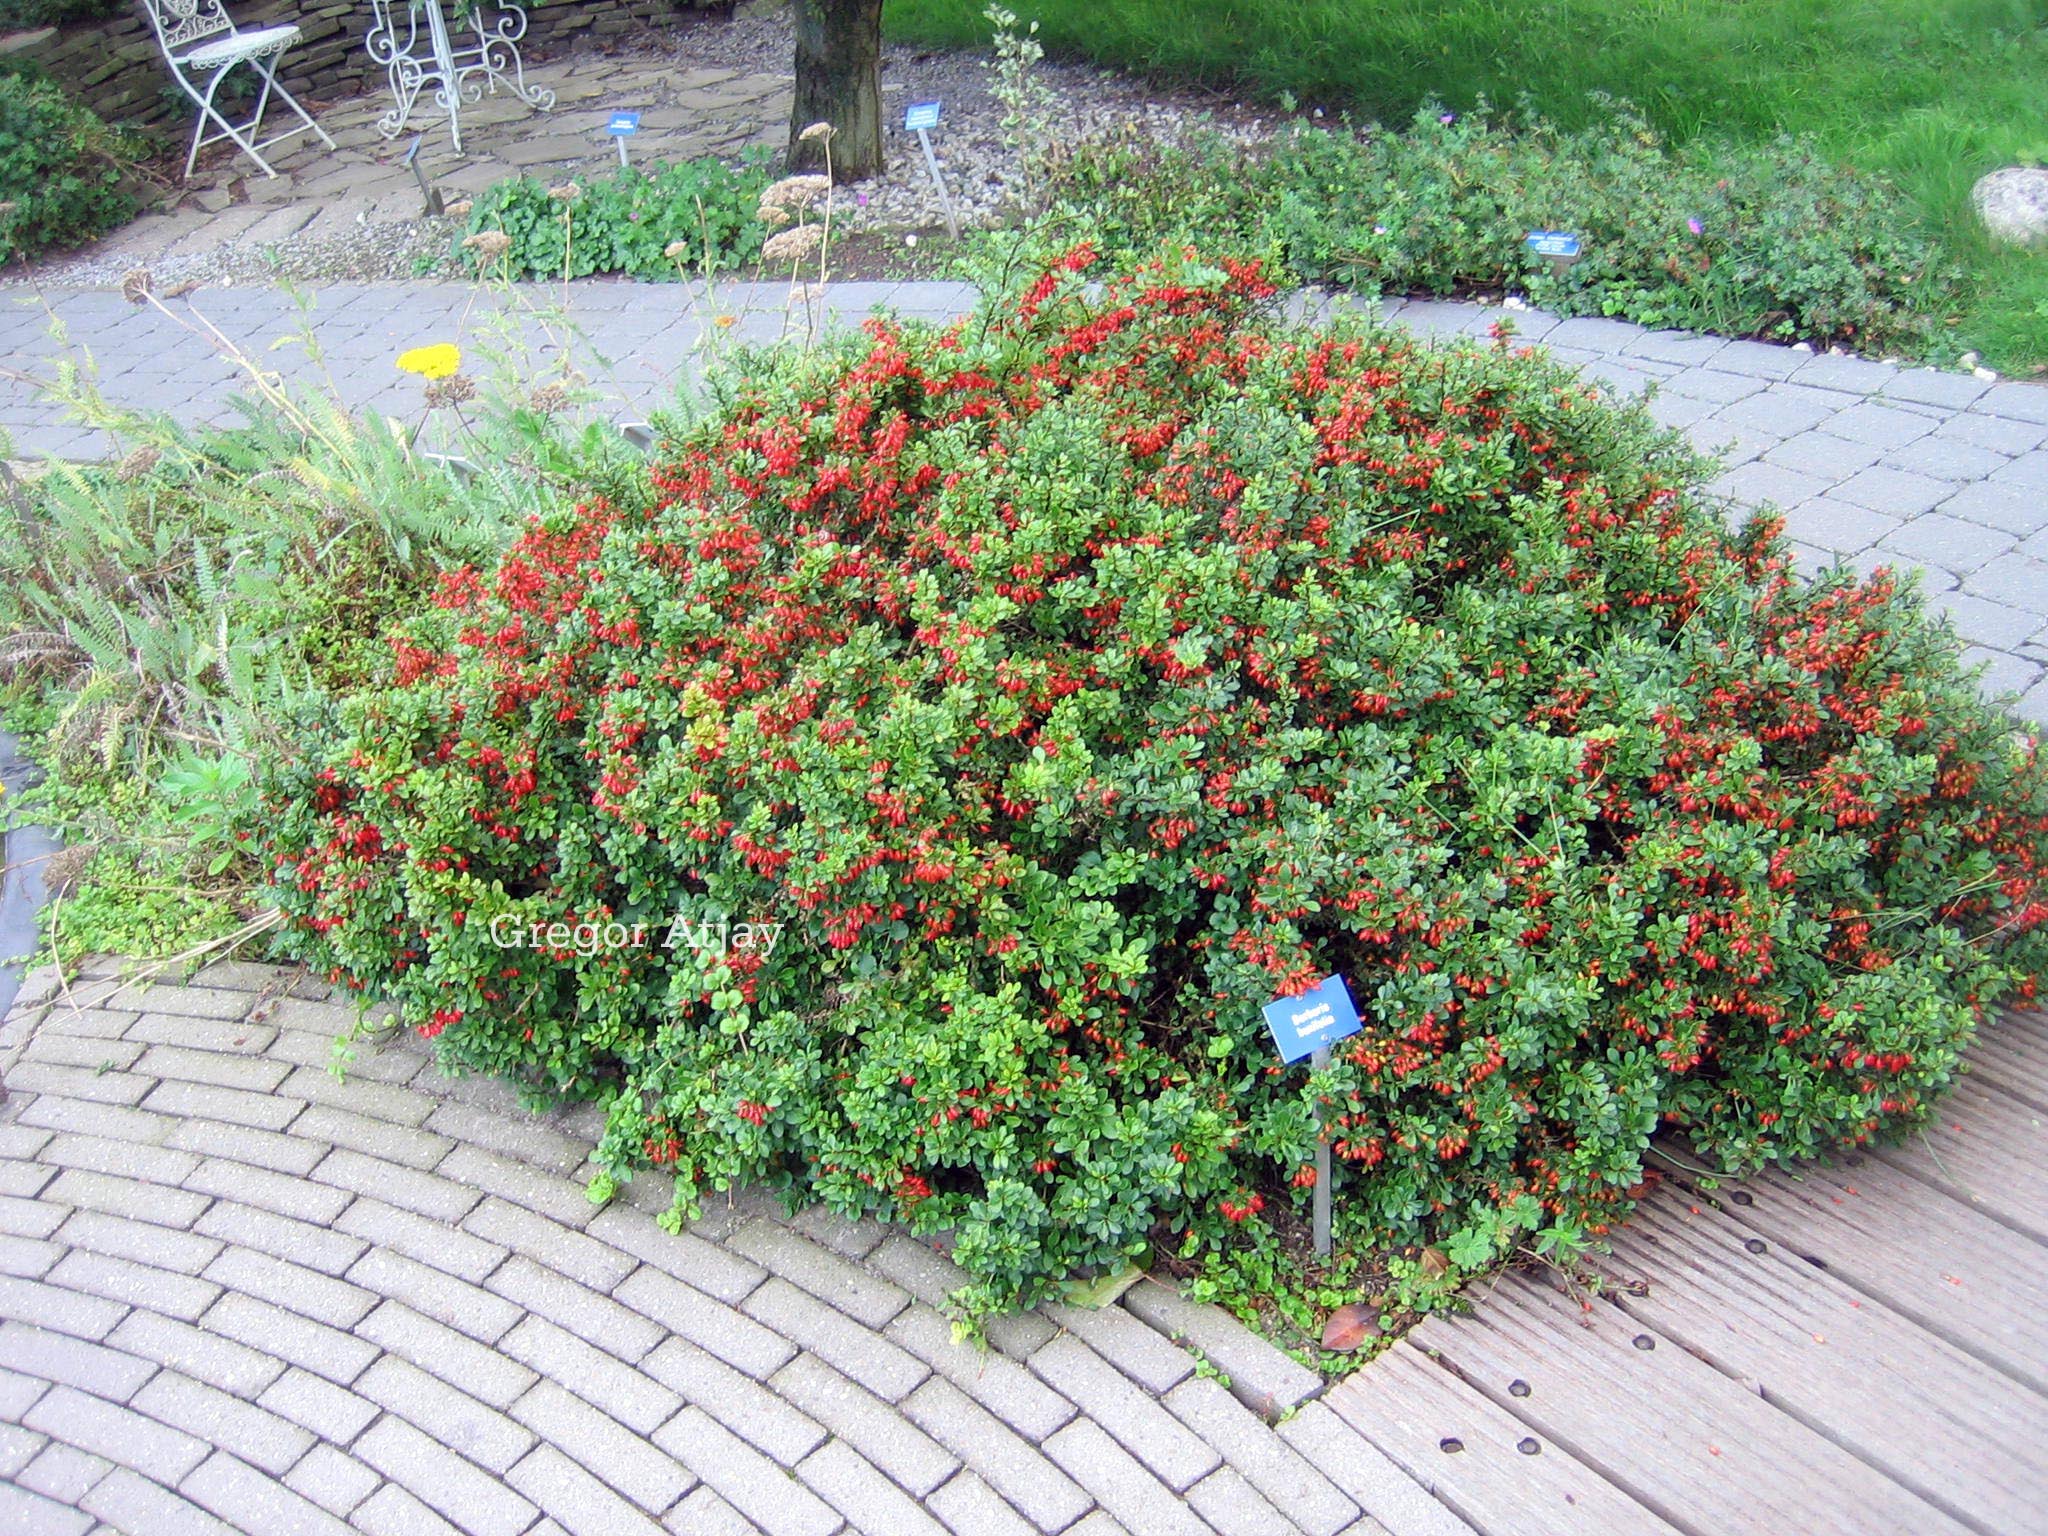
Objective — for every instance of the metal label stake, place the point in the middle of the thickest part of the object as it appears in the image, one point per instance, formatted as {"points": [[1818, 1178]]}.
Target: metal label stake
{"points": [[920, 118], [419, 174], [1317, 1063], [1305, 1026], [622, 127]]}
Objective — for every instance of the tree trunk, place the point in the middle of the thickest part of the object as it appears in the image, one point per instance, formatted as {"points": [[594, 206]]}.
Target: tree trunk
{"points": [[839, 81]]}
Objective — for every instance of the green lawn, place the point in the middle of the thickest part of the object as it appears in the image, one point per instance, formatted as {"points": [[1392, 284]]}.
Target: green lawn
{"points": [[1931, 94]]}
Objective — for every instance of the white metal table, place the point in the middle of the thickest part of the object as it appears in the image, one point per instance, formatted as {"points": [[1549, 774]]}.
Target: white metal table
{"points": [[416, 57]]}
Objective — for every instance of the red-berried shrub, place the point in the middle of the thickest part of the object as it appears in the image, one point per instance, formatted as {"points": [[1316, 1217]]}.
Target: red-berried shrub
{"points": [[1070, 682]]}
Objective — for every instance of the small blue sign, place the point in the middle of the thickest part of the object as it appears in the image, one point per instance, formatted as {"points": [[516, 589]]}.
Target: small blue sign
{"points": [[1553, 242], [1319, 1017], [623, 124], [919, 115]]}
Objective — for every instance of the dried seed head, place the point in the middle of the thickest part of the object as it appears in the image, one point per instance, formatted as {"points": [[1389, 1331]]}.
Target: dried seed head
{"points": [[567, 192], [816, 133], [138, 463], [677, 250], [795, 193], [135, 285], [489, 244], [769, 215], [459, 209], [548, 399], [794, 244], [452, 390]]}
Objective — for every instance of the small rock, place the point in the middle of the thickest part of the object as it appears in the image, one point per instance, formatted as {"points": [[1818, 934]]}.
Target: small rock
{"points": [[1968, 360], [1989, 375], [2013, 203]]}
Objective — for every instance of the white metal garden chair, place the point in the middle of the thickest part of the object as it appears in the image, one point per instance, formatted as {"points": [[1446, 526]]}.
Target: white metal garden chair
{"points": [[221, 45]]}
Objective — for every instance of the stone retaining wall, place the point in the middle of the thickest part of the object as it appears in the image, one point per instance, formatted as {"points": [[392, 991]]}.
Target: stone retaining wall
{"points": [[115, 67]]}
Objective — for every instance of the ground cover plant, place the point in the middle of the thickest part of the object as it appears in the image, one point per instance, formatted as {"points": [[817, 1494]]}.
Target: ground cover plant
{"points": [[64, 174], [909, 793], [1773, 241], [1930, 96]]}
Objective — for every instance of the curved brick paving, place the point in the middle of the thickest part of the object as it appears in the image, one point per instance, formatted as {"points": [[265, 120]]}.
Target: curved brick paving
{"points": [[1909, 467], [240, 1293]]}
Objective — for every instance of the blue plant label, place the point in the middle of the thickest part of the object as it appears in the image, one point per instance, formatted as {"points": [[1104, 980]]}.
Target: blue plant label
{"points": [[1320, 1016], [920, 115], [1553, 242], [623, 124]]}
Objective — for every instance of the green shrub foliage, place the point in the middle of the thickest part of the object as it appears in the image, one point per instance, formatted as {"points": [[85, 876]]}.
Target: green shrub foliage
{"points": [[625, 222], [1771, 239], [63, 172], [1071, 682]]}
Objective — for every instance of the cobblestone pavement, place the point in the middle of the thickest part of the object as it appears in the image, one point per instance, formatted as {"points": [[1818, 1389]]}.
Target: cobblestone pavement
{"points": [[1873, 463], [238, 1293]]}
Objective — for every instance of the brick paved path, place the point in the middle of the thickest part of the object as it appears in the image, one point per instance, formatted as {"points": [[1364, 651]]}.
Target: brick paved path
{"points": [[1875, 463], [238, 1293]]}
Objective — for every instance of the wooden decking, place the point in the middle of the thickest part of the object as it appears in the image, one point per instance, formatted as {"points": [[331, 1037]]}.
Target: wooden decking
{"points": [[1860, 1347]]}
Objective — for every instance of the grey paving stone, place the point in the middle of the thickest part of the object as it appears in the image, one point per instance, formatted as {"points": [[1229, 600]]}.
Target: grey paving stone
{"points": [[577, 1501], [233, 1037], [843, 1286], [53, 1307], [132, 1503], [81, 1051], [63, 1474], [196, 1352], [1232, 1506], [1133, 1416], [239, 1493], [413, 1147], [137, 1285], [1120, 1483], [120, 1435], [335, 1414], [857, 1490], [1822, 454], [2018, 582], [967, 1506], [468, 1496], [1783, 409], [1303, 1494], [839, 1340], [1760, 360], [359, 1095], [188, 1001], [561, 1249], [911, 1458], [2027, 474], [227, 1423], [1985, 622], [701, 1319], [391, 1511], [1851, 375], [96, 1023], [1134, 1347], [847, 1238], [324, 1351], [1681, 348], [1761, 484], [451, 1416], [1997, 433], [334, 1480], [1947, 541], [514, 1133], [24, 1217], [424, 1194], [1263, 1378], [442, 1297], [932, 1278], [85, 1083], [625, 1327], [633, 1397], [434, 1243], [1944, 458], [1934, 386], [615, 1453], [1884, 426], [706, 1266], [250, 1072], [991, 1378], [102, 1137], [18, 1447], [1836, 527], [286, 1154], [542, 1193], [1365, 1473], [281, 1237], [279, 1193], [745, 1478], [2004, 673], [1718, 386], [772, 1423], [28, 1258], [1017, 1470], [323, 1298], [1669, 410], [2021, 402], [704, 1513], [477, 1369], [1895, 492]]}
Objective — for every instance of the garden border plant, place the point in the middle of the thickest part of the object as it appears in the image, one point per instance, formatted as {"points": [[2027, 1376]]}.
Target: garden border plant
{"points": [[1068, 682]]}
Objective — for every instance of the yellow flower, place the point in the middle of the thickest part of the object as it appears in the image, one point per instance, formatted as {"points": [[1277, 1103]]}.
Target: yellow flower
{"points": [[726, 322], [435, 362]]}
